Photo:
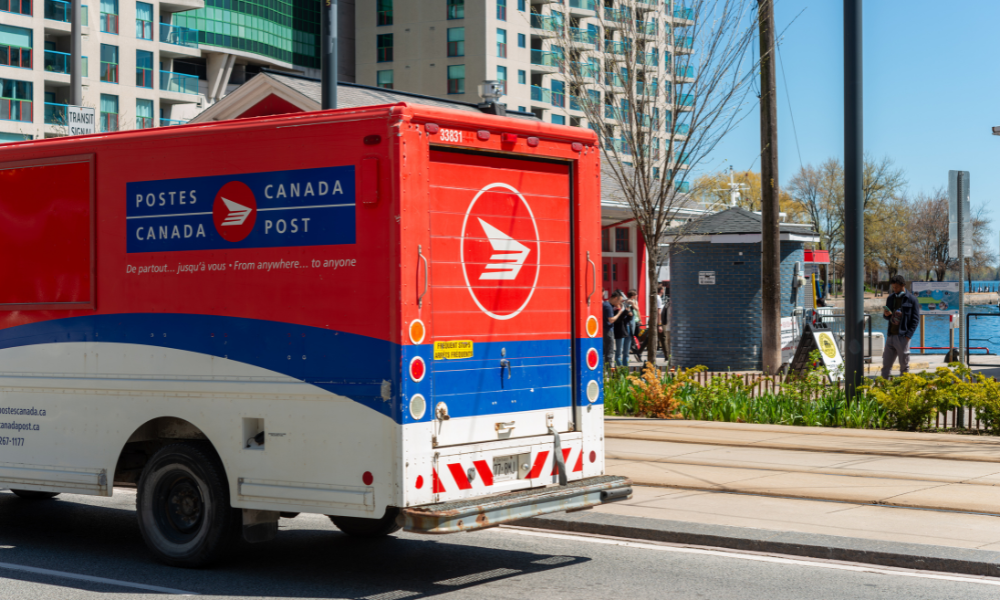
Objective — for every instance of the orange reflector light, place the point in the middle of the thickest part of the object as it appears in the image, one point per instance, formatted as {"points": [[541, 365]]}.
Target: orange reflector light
{"points": [[592, 326], [417, 331], [508, 138]]}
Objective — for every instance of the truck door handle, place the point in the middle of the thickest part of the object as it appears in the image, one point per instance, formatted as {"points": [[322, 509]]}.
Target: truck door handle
{"points": [[504, 364], [593, 274], [420, 256]]}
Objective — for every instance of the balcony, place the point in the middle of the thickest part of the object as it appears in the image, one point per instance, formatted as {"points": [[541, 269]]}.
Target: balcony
{"points": [[684, 72], [178, 36], [684, 100], [645, 28], [682, 129], [621, 50], [178, 82], [620, 145], [109, 23], [617, 15], [109, 72], [583, 4], [584, 36], [15, 56], [143, 30], [143, 122], [681, 159], [57, 10], [540, 94], [56, 62], [646, 5], [684, 13], [109, 122], [586, 69], [683, 43], [613, 79], [646, 89], [15, 110], [546, 23], [169, 122], [55, 114], [651, 59], [682, 187], [544, 58], [576, 103]]}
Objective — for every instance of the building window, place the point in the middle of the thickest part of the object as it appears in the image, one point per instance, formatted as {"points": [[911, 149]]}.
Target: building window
{"points": [[522, 108], [605, 243], [522, 76], [502, 77], [558, 120], [15, 100], [521, 5], [522, 40], [383, 79], [501, 43], [384, 42], [22, 7], [109, 113], [86, 66], [456, 9], [143, 114], [502, 10], [456, 79], [456, 41], [143, 21], [109, 16], [384, 12], [621, 239], [109, 64], [15, 47], [144, 70]]}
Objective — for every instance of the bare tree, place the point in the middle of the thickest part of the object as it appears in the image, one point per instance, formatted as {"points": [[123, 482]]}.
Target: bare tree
{"points": [[661, 92], [929, 232]]}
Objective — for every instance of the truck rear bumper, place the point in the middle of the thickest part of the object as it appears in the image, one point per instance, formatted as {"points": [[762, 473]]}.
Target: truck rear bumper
{"points": [[489, 511]]}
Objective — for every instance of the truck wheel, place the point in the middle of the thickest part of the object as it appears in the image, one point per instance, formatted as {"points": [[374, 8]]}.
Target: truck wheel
{"points": [[32, 495], [183, 506], [361, 527]]}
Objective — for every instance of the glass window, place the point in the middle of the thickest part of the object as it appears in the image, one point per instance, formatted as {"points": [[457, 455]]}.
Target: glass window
{"points": [[456, 79], [522, 76], [558, 119], [384, 43], [621, 239], [109, 113], [22, 7], [109, 16], [521, 5], [522, 108], [502, 77], [109, 64], [17, 96], [14, 137], [15, 47], [456, 9], [605, 244], [522, 40], [456, 41], [501, 43], [143, 114], [144, 70], [143, 21], [383, 79], [502, 10], [384, 12]]}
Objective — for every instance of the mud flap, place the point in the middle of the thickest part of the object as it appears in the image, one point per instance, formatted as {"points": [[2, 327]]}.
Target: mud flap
{"points": [[260, 525]]}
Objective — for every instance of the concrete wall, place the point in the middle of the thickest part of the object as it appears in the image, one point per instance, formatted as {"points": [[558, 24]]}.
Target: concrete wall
{"points": [[719, 325]]}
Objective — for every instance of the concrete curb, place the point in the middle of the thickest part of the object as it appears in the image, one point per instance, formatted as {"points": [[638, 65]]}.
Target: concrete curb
{"points": [[983, 563]]}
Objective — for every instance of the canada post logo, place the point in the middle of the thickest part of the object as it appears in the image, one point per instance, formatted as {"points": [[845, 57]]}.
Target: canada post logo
{"points": [[307, 207]]}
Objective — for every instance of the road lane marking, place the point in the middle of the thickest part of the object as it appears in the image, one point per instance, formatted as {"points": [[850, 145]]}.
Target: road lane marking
{"points": [[64, 575], [755, 557]]}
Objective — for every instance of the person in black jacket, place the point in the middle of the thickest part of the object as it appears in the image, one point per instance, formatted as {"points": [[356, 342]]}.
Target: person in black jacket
{"points": [[902, 311]]}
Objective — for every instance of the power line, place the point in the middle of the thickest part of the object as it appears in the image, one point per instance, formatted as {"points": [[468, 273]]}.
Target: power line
{"points": [[789, 98]]}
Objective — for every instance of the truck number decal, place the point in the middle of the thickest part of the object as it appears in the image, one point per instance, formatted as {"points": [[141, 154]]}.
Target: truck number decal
{"points": [[451, 135]]}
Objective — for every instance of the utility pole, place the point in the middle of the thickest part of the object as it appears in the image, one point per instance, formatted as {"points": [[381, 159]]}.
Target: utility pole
{"points": [[75, 53], [770, 244], [328, 55], [854, 219]]}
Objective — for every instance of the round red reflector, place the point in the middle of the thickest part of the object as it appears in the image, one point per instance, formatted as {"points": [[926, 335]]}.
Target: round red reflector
{"points": [[576, 146], [417, 369], [367, 478], [593, 359], [532, 142], [420, 481], [431, 127], [483, 135], [593, 456]]}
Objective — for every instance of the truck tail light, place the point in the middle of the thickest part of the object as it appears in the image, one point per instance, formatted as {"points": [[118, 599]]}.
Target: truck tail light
{"points": [[417, 331], [508, 138], [417, 369], [593, 359], [368, 478]]}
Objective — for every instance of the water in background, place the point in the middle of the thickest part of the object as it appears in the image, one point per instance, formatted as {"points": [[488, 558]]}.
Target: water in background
{"points": [[984, 331], [977, 284]]}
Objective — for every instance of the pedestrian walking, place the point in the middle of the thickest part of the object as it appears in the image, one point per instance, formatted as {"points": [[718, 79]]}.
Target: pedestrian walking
{"points": [[612, 311], [661, 329], [902, 311], [624, 329]]}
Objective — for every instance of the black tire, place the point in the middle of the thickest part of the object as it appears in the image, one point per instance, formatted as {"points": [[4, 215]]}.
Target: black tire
{"points": [[183, 506], [32, 495], [369, 528]]}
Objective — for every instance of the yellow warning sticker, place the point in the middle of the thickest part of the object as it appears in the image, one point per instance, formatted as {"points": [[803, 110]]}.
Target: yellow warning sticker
{"points": [[826, 345], [453, 349]]}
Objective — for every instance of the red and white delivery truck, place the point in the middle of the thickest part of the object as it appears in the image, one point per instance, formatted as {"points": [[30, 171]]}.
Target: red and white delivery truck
{"points": [[388, 315]]}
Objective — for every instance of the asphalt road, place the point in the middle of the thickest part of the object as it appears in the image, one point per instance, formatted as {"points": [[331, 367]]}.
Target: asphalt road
{"points": [[98, 538]]}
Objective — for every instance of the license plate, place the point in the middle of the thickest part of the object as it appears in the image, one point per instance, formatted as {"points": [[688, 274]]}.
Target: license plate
{"points": [[508, 467]]}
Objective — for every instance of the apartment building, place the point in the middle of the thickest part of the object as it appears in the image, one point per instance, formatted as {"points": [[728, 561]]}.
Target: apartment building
{"points": [[145, 64]]}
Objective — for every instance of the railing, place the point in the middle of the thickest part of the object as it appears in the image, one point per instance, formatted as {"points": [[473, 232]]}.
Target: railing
{"points": [[56, 62], [684, 13], [613, 79], [545, 58], [22, 7], [546, 22], [576, 103], [645, 27], [622, 47], [15, 56], [584, 36], [57, 10], [178, 82], [143, 29], [540, 94], [178, 36], [649, 2], [109, 23], [584, 4], [682, 187], [621, 15], [143, 78], [143, 122], [684, 42], [682, 129], [109, 122], [15, 110], [109, 72], [684, 100], [681, 159], [620, 145], [647, 89], [687, 72], [651, 59], [169, 122], [55, 114], [585, 69]]}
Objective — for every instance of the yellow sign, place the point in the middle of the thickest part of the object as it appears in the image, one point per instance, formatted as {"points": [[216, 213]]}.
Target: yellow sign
{"points": [[826, 345], [452, 349]]}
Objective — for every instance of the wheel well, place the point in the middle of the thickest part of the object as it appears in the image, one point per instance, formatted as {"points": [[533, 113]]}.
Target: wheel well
{"points": [[147, 441]]}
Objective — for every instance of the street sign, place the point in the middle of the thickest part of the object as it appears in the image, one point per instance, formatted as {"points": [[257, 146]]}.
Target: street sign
{"points": [[958, 183], [706, 277], [80, 120]]}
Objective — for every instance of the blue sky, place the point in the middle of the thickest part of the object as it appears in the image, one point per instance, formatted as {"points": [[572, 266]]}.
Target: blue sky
{"points": [[931, 91]]}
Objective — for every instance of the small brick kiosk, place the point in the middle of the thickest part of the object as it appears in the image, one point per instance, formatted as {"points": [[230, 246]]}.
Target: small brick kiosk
{"points": [[715, 307]]}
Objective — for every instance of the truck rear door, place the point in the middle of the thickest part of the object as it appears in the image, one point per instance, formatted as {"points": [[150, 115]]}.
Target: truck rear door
{"points": [[502, 311]]}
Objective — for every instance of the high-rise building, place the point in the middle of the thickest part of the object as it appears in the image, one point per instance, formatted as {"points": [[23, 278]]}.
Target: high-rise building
{"points": [[147, 64]]}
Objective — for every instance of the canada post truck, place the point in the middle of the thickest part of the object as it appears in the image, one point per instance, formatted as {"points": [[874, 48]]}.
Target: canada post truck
{"points": [[387, 315]]}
